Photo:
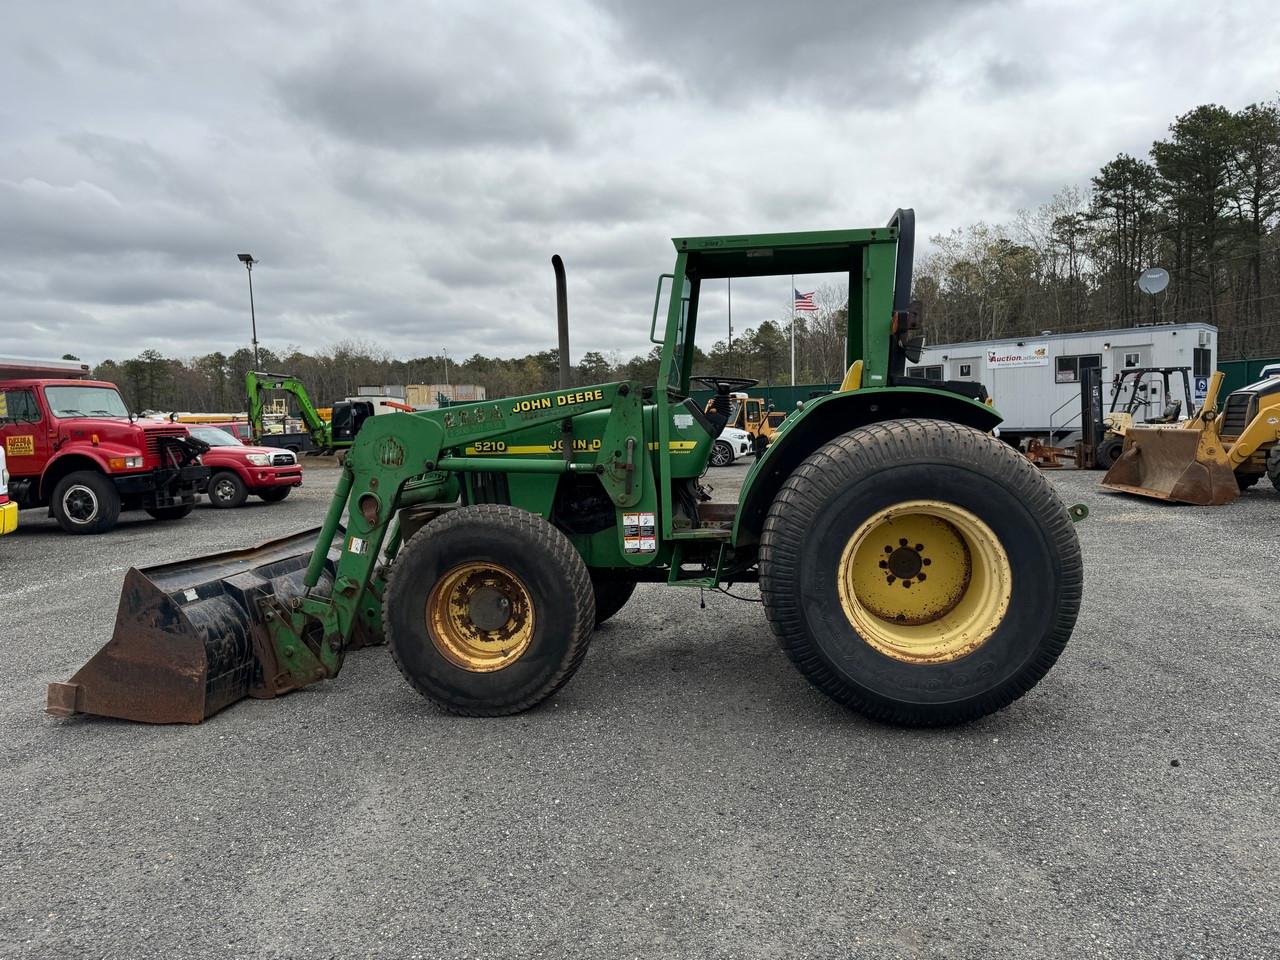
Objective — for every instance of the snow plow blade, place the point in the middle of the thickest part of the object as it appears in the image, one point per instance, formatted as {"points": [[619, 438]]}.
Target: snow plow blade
{"points": [[1174, 463], [190, 637]]}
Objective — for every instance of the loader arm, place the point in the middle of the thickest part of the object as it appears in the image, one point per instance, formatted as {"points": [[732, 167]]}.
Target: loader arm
{"points": [[402, 460]]}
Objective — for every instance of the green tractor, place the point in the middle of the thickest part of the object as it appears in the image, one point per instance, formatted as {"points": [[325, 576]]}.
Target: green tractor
{"points": [[911, 565]]}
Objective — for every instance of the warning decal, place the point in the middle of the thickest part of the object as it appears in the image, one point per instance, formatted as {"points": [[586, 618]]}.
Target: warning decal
{"points": [[639, 533]]}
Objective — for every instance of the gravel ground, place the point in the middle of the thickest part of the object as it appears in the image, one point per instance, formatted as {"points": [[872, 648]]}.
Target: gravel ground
{"points": [[687, 794]]}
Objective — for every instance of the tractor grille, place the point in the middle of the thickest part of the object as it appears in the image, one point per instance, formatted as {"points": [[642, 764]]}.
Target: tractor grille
{"points": [[1235, 415], [283, 460], [153, 438]]}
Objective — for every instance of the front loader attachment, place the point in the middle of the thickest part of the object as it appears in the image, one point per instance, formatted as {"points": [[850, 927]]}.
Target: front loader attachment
{"points": [[1182, 464], [191, 636]]}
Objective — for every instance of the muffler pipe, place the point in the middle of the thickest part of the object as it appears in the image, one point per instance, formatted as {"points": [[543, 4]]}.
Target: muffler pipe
{"points": [[562, 329], [562, 319]]}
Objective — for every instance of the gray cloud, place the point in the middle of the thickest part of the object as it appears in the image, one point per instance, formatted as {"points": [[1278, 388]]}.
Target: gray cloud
{"points": [[404, 170]]}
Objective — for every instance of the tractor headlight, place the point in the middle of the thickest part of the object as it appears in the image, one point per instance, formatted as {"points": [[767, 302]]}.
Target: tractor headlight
{"points": [[260, 459], [125, 463]]}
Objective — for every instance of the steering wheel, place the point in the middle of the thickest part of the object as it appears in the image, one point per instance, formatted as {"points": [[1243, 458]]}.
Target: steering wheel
{"points": [[723, 386]]}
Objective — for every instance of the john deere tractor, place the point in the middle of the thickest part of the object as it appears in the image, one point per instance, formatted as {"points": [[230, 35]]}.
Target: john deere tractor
{"points": [[911, 566]]}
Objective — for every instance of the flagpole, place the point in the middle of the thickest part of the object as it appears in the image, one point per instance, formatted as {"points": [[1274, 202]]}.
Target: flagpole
{"points": [[793, 329]]}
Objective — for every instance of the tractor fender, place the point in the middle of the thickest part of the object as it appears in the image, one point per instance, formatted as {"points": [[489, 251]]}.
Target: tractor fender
{"points": [[826, 418]]}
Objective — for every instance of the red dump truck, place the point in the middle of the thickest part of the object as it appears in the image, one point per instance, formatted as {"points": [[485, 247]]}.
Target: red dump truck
{"points": [[72, 445]]}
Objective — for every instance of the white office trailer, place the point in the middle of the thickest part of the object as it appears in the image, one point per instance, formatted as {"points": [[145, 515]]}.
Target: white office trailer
{"points": [[1034, 381]]}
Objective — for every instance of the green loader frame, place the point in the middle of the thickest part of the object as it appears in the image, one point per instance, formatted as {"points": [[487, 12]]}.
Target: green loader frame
{"points": [[912, 566]]}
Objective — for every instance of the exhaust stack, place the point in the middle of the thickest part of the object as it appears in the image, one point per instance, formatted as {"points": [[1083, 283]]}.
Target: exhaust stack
{"points": [[562, 319]]}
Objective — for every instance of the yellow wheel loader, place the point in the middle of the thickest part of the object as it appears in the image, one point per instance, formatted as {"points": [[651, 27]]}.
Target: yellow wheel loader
{"points": [[1208, 459]]}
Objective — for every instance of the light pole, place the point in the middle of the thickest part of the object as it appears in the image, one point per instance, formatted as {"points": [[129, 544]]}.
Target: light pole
{"points": [[248, 261]]}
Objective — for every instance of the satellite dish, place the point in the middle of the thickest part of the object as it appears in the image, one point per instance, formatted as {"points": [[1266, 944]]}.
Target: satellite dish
{"points": [[1153, 279]]}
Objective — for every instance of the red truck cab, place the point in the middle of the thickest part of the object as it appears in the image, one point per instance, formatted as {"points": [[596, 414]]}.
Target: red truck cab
{"points": [[72, 445], [237, 470]]}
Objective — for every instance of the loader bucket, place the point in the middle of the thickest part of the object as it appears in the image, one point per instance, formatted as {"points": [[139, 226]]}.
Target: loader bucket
{"points": [[190, 636], [1173, 463]]}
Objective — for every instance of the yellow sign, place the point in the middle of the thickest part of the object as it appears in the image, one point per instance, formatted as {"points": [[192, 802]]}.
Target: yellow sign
{"points": [[23, 446], [563, 400]]}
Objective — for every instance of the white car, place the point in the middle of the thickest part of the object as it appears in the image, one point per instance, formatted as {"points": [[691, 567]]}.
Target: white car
{"points": [[731, 444]]}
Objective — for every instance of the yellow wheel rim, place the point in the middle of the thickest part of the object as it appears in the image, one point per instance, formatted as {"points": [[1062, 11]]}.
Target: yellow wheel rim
{"points": [[925, 582], [480, 617]]}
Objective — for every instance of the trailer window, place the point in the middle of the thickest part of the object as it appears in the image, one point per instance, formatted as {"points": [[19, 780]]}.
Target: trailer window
{"points": [[1132, 359], [1068, 368], [1200, 362], [966, 370]]}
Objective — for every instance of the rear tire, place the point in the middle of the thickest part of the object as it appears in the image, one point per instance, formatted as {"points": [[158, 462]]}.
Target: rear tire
{"points": [[274, 494], [450, 586], [226, 490], [611, 593], [1273, 466], [171, 513], [1003, 563], [1109, 452], [85, 502]]}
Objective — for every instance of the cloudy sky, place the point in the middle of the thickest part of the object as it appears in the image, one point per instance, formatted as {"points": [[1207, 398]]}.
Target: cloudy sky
{"points": [[405, 171]]}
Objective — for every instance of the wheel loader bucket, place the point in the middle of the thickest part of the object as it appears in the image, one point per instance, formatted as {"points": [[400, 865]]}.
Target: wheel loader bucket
{"points": [[190, 637], [1173, 463]]}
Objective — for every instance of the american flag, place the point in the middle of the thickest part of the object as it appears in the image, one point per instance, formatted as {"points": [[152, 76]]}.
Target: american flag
{"points": [[804, 301]]}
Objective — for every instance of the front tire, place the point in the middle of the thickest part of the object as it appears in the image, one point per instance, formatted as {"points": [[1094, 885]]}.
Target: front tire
{"points": [[488, 611], [721, 454], [920, 572], [227, 490], [85, 502], [1109, 452]]}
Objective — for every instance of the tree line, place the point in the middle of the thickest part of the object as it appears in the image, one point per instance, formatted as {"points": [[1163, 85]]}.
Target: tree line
{"points": [[1204, 204]]}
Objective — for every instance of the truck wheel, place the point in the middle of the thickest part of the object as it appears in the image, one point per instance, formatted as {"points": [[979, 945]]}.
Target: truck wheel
{"points": [[171, 513], [721, 454], [226, 490], [920, 572], [1109, 452], [274, 494], [86, 502], [1273, 466], [490, 612], [611, 592]]}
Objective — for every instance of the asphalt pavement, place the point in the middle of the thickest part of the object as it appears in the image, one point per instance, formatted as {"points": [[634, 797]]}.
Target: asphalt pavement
{"points": [[687, 794]]}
